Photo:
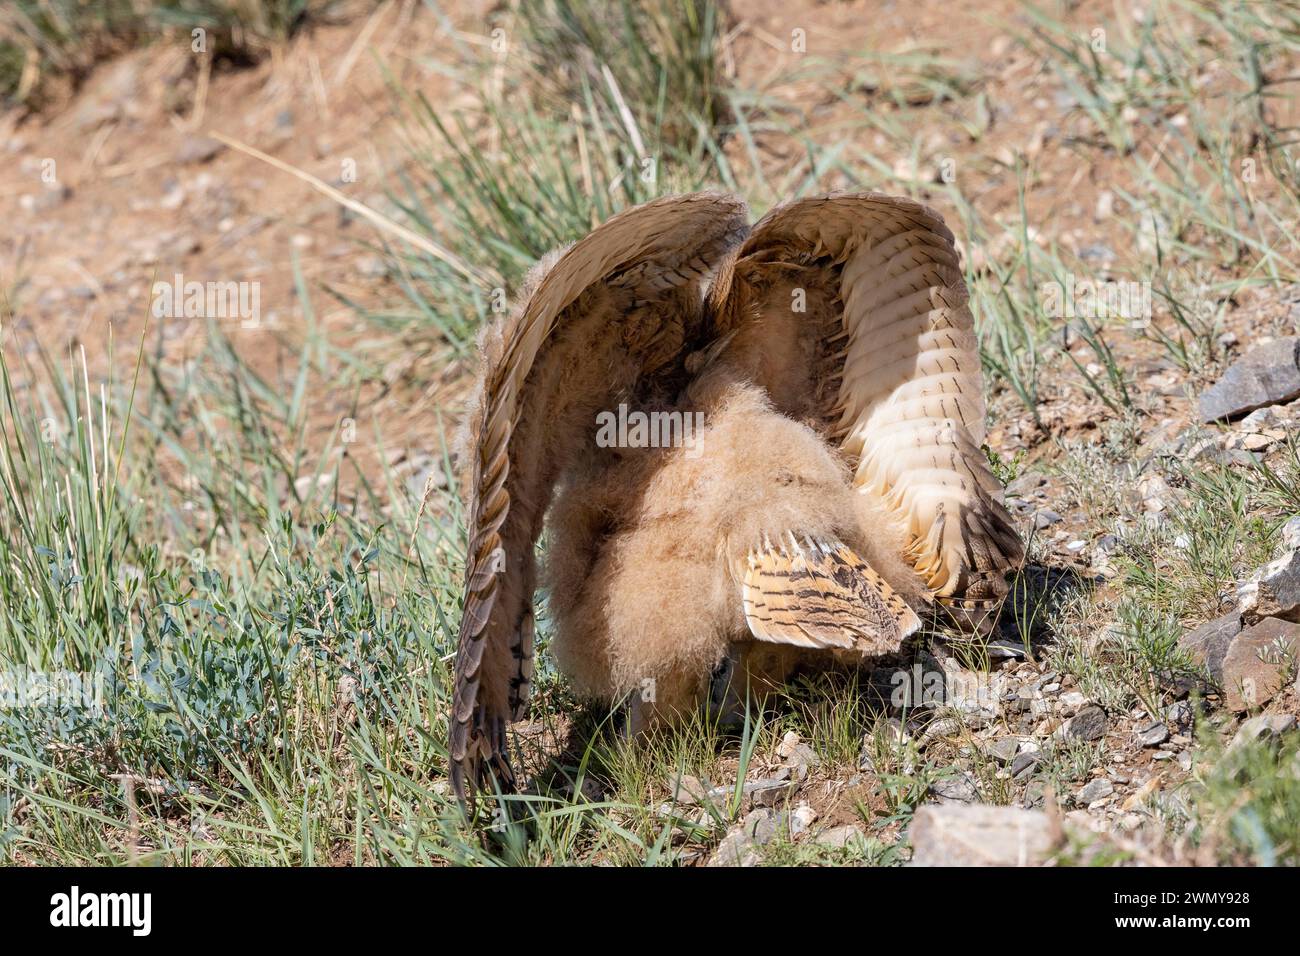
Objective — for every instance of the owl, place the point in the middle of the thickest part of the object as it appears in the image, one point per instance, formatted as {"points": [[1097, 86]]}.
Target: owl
{"points": [[750, 447]]}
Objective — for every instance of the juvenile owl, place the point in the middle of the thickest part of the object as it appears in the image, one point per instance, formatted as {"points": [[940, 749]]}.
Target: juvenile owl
{"points": [[751, 446]]}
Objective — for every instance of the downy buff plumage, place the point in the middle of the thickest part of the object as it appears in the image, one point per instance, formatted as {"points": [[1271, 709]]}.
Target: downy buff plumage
{"points": [[835, 485]]}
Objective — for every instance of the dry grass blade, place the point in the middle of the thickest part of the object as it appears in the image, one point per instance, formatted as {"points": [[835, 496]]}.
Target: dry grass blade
{"points": [[423, 243]]}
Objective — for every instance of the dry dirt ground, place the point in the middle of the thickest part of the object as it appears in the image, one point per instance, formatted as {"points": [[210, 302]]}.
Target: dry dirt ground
{"points": [[140, 193]]}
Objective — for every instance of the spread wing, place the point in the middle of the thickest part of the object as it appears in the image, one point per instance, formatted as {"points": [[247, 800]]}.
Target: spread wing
{"points": [[596, 322], [895, 367]]}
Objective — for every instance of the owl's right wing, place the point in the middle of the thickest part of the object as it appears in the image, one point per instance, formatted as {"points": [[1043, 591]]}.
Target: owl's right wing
{"points": [[613, 310], [899, 368]]}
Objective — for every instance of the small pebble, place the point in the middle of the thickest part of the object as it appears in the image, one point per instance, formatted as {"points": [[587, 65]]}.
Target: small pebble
{"points": [[1152, 734]]}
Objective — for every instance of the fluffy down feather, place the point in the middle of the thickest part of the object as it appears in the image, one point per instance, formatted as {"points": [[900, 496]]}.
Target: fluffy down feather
{"points": [[832, 356]]}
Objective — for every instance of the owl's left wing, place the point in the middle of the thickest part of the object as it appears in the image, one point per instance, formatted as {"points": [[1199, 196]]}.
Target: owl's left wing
{"points": [[898, 364], [607, 315]]}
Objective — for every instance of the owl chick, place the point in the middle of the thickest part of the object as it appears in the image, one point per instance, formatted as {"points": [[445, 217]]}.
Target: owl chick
{"points": [[811, 477], [661, 562]]}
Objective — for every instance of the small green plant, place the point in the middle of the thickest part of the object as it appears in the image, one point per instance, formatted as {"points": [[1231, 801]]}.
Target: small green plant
{"points": [[1243, 805]]}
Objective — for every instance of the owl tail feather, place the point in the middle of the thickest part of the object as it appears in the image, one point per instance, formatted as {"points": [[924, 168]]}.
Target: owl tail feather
{"points": [[820, 594]]}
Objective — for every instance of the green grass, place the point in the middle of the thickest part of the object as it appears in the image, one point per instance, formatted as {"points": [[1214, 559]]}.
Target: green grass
{"points": [[1181, 160], [604, 108], [257, 642], [44, 39], [1245, 802], [654, 62]]}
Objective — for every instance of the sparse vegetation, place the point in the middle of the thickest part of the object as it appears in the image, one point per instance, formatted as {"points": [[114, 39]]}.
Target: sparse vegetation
{"points": [[41, 40]]}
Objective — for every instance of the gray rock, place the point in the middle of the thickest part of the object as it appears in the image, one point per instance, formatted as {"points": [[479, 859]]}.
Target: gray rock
{"points": [[798, 756], [766, 825], [800, 819], [1025, 485], [770, 792], [1024, 764], [1045, 519], [939, 729], [1209, 643], [956, 835], [1019, 506], [1004, 647], [1179, 714], [1013, 703], [958, 788], [841, 836], [1004, 749], [1072, 700], [1290, 534], [1266, 375], [1094, 790], [1263, 726], [1259, 419], [1256, 664], [1090, 723], [765, 792], [1273, 590], [687, 790], [736, 850], [790, 742], [1035, 794], [740, 847], [1152, 734]]}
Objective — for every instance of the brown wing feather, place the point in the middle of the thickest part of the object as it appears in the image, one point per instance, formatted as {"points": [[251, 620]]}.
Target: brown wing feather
{"points": [[900, 377], [610, 312], [820, 594]]}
